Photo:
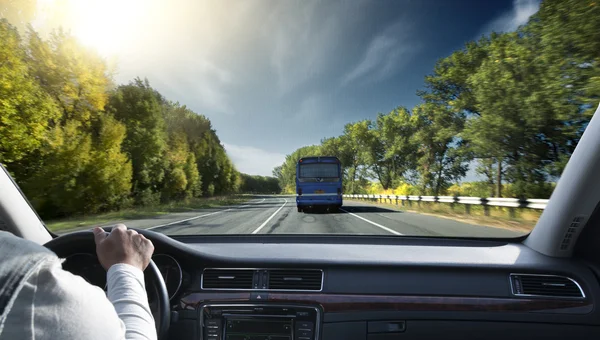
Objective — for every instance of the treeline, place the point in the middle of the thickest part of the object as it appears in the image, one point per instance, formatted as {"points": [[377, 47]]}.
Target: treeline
{"points": [[259, 184], [76, 143], [515, 104]]}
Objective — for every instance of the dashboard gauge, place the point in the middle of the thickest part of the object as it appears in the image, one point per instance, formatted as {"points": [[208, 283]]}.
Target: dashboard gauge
{"points": [[171, 272], [86, 266]]}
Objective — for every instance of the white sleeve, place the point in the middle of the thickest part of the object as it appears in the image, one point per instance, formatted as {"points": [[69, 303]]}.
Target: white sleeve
{"points": [[65, 306], [127, 292]]}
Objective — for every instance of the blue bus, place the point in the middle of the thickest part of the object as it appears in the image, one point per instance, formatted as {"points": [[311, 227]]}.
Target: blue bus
{"points": [[318, 183]]}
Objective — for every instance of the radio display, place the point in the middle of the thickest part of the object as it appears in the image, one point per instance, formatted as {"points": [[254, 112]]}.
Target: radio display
{"points": [[258, 327]]}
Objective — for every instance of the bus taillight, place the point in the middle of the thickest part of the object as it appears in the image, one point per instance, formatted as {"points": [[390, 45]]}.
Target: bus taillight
{"points": [[339, 190], [299, 191]]}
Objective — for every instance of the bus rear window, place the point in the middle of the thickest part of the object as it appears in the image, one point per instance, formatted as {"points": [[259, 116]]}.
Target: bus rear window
{"points": [[321, 170]]}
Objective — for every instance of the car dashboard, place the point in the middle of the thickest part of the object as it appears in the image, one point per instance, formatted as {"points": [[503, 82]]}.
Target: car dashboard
{"points": [[372, 288]]}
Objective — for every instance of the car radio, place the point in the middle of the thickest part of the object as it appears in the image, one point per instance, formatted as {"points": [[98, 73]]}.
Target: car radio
{"points": [[259, 322]]}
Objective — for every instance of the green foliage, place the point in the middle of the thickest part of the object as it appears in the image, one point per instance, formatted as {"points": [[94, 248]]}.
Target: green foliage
{"points": [[139, 107], [440, 161], [391, 150], [287, 174], [77, 146], [514, 103], [259, 184], [25, 109]]}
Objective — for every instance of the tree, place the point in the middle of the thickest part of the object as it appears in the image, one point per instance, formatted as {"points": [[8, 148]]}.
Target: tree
{"points": [[513, 120], [287, 180], [109, 172], [440, 160], [357, 153], [391, 148], [259, 184], [448, 85], [140, 108], [25, 109], [79, 167], [76, 77]]}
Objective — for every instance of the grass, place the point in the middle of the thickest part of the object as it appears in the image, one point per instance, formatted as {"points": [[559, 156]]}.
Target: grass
{"points": [[141, 212], [523, 220]]}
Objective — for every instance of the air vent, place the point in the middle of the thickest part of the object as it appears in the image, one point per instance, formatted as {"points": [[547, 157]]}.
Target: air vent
{"points": [[545, 285], [227, 279], [295, 279]]}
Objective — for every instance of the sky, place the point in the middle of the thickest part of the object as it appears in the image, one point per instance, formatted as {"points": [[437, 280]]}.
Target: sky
{"points": [[276, 75]]}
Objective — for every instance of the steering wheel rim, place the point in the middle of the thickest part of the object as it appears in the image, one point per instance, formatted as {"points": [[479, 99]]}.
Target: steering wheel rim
{"points": [[65, 245]]}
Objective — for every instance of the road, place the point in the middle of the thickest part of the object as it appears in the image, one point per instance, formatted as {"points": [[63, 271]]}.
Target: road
{"points": [[278, 215]]}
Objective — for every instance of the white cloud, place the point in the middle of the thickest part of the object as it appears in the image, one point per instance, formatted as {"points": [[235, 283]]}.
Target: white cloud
{"points": [[511, 20], [304, 45], [254, 161], [386, 54]]}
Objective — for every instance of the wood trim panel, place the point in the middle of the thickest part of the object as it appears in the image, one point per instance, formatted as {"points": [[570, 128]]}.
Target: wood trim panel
{"points": [[333, 303]]}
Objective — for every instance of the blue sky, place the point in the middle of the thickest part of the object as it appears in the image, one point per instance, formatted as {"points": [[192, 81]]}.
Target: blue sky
{"points": [[276, 75]]}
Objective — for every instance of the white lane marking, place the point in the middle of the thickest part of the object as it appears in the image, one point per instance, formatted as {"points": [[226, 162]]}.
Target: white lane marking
{"points": [[197, 217], [373, 223], [270, 217], [188, 219]]}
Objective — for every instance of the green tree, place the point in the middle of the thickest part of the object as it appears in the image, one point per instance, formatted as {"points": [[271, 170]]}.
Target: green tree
{"points": [[76, 77], [259, 184], [512, 126], [140, 108], [355, 134], [80, 166], [439, 158], [109, 172], [391, 148], [287, 181], [25, 109]]}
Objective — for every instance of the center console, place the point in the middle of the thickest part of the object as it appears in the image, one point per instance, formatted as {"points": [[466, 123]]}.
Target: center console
{"points": [[259, 322]]}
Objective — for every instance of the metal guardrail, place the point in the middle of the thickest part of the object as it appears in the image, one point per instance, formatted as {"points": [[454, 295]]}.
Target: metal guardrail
{"points": [[532, 203]]}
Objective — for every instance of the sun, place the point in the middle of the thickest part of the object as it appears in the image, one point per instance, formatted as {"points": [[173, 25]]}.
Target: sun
{"points": [[107, 25]]}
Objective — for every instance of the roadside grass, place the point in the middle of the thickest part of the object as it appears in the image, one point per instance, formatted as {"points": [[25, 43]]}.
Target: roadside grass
{"points": [[80, 221], [523, 219]]}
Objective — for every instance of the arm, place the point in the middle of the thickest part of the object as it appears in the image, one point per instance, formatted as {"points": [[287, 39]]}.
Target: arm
{"points": [[125, 254], [64, 306], [127, 292], [51, 303]]}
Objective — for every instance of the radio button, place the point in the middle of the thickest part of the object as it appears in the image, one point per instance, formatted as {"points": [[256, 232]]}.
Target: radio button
{"points": [[304, 334], [304, 325]]}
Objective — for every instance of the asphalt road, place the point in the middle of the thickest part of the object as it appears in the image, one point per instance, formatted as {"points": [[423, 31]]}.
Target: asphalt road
{"points": [[278, 215]]}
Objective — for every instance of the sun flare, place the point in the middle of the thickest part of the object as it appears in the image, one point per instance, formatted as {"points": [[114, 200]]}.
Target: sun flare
{"points": [[106, 25]]}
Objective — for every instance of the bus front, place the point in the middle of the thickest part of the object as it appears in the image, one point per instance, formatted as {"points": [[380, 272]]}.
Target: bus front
{"points": [[318, 183]]}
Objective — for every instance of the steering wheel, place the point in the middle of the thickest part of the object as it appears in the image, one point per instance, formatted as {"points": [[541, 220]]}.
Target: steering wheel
{"points": [[83, 242]]}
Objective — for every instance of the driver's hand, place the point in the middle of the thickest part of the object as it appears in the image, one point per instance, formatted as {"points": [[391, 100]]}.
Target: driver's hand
{"points": [[122, 245]]}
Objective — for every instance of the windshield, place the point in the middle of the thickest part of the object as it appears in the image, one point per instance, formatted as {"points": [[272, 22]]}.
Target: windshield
{"points": [[319, 170], [447, 118]]}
